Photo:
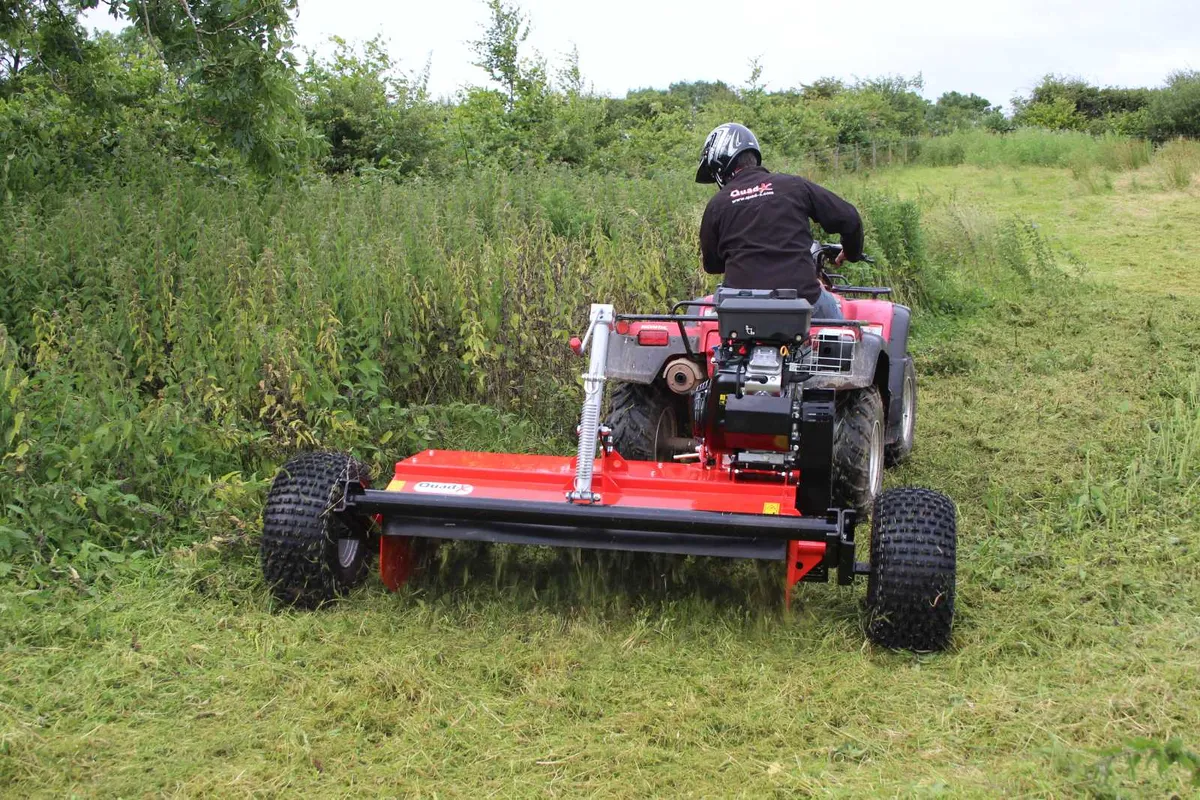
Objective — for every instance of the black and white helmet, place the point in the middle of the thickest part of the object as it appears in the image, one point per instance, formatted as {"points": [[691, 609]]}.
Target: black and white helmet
{"points": [[721, 149]]}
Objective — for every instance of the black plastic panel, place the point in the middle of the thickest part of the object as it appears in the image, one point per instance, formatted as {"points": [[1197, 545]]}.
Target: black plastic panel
{"points": [[760, 315]]}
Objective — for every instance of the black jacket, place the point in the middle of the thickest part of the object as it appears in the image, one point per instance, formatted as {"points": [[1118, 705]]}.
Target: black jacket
{"points": [[755, 230]]}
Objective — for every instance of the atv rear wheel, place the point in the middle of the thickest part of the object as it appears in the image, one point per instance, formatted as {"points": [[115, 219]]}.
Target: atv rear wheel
{"points": [[647, 422], [910, 590], [310, 556], [858, 449], [899, 450]]}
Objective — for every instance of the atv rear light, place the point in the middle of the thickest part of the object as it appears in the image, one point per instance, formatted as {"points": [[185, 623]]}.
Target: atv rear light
{"points": [[875, 329], [653, 337]]}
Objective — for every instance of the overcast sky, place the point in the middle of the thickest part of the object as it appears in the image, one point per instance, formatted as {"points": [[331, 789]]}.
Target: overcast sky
{"points": [[996, 49]]}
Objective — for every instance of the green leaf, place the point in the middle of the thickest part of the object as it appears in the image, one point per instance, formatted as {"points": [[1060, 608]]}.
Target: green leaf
{"points": [[18, 420]]}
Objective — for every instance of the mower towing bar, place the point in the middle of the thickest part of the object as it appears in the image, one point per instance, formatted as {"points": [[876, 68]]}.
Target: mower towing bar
{"points": [[604, 526]]}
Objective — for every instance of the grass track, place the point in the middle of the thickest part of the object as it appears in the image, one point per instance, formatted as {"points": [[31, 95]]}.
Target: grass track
{"points": [[1061, 423]]}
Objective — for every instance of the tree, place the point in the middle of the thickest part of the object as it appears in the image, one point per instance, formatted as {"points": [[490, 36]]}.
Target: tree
{"points": [[1089, 103], [1175, 109], [970, 103], [371, 113], [570, 76], [237, 57], [1057, 114], [892, 104], [499, 51], [40, 37], [701, 93], [754, 82], [822, 89], [955, 111]]}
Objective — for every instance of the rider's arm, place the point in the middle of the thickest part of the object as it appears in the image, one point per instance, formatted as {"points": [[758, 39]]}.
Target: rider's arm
{"points": [[837, 216], [710, 235]]}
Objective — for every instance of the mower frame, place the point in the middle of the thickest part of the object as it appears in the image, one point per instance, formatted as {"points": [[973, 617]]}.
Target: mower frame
{"points": [[600, 527]]}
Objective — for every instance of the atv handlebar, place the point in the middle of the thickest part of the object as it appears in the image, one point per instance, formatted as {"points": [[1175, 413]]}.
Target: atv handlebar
{"points": [[825, 253], [829, 251]]}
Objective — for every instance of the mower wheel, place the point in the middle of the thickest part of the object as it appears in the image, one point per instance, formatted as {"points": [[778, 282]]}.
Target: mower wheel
{"points": [[310, 556], [899, 450], [910, 590], [646, 422], [858, 449]]}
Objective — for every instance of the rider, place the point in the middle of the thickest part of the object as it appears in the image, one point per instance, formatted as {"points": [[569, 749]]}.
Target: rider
{"points": [[755, 230]]}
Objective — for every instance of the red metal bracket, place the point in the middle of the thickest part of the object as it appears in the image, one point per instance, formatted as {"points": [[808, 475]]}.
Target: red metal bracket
{"points": [[396, 561], [802, 557]]}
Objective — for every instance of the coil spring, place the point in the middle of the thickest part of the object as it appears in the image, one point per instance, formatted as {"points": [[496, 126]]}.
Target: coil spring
{"points": [[589, 425]]}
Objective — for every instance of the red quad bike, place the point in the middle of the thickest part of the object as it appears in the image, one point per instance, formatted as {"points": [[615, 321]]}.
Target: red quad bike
{"points": [[765, 432]]}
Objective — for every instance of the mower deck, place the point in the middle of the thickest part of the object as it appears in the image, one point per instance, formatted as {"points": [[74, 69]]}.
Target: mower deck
{"points": [[540, 478], [644, 506]]}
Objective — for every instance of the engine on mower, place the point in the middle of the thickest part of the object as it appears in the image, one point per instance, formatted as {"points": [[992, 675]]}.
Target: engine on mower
{"points": [[754, 414]]}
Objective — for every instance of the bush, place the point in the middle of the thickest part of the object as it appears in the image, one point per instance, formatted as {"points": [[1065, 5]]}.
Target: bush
{"points": [[1175, 110], [370, 115], [1058, 114]]}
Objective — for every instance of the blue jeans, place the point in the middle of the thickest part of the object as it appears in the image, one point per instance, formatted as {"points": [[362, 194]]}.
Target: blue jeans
{"points": [[827, 307]]}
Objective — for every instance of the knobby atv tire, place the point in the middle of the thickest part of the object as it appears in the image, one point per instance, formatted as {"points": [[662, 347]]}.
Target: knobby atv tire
{"points": [[899, 450], [910, 590], [859, 418], [641, 416], [300, 556]]}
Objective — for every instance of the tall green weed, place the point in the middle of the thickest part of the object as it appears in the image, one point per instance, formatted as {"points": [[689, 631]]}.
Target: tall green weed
{"points": [[1035, 147], [1177, 163]]}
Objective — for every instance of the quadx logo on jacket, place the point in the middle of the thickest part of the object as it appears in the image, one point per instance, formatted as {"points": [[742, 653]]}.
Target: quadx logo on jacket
{"points": [[761, 190]]}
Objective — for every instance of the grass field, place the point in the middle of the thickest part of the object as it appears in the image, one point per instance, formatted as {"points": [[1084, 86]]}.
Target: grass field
{"points": [[1062, 414]]}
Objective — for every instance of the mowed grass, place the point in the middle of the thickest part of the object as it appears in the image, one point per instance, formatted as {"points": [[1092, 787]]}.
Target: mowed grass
{"points": [[1065, 421], [1138, 235]]}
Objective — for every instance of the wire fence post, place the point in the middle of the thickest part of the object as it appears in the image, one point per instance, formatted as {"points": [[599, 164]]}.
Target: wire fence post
{"points": [[837, 151], [874, 158]]}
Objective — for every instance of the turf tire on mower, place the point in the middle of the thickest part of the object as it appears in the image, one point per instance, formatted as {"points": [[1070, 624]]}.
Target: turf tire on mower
{"points": [[899, 450], [643, 417], [858, 449], [910, 590], [309, 556]]}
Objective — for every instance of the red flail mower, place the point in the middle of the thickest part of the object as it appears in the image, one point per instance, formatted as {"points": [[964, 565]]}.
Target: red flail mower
{"points": [[739, 427]]}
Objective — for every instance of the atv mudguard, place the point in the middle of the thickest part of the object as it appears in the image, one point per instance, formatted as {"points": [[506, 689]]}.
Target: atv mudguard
{"points": [[897, 359], [632, 363]]}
